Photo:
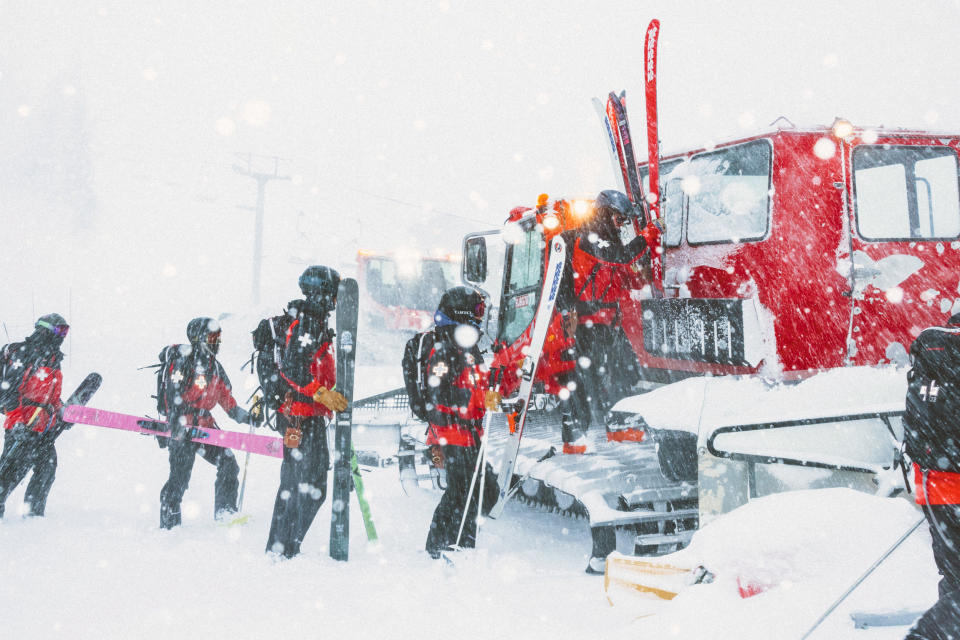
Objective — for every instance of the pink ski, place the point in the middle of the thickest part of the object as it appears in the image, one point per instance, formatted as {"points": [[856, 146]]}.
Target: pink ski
{"points": [[263, 445]]}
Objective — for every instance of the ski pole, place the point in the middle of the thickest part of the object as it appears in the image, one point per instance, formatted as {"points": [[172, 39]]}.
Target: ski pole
{"points": [[473, 480], [483, 480], [866, 574], [243, 479], [246, 463]]}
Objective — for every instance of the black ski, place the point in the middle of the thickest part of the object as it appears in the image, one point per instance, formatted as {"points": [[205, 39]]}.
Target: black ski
{"points": [[633, 177], [347, 302], [17, 458]]}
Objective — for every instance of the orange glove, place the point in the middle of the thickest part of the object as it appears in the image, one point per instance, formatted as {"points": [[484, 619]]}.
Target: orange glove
{"points": [[491, 400], [436, 456], [330, 399], [570, 322]]}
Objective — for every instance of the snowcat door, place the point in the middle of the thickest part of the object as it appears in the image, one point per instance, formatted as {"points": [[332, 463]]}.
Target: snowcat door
{"points": [[905, 221], [483, 258]]}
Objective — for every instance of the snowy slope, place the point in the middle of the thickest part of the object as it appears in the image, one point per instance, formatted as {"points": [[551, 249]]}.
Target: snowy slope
{"points": [[98, 567]]}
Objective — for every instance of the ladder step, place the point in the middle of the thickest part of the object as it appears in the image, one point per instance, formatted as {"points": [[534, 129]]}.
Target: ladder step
{"points": [[682, 538]]}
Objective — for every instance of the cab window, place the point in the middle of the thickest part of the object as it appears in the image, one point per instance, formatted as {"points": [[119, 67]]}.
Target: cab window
{"points": [[728, 193], [522, 280], [906, 192]]}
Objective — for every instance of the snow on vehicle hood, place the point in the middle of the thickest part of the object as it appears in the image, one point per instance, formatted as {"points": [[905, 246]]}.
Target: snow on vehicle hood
{"points": [[701, 405]]}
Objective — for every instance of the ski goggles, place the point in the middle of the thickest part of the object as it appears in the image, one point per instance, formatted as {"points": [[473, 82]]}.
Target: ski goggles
{"points": [[59, 330], [479, 309]]}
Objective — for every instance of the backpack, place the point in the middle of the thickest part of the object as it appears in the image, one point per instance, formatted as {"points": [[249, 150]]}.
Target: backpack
{"points": [[10, 379], [284, 348], [17, 360], [933, 401], [170, 359], [414, 363]]}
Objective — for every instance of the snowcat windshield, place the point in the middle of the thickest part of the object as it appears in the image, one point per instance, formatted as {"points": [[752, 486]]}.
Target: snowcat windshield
{"points": [[524, 270]]}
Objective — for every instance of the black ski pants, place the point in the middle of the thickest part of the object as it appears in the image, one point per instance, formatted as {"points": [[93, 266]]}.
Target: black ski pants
{"points": [[182, 456], [303, 486], [942, 620], [459, 464], [19, 456], [611, 367]]}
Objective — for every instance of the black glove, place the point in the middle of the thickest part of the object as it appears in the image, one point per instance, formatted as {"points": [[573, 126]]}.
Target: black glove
{"points": [[162, 442], [178, 430], [241, 415]]}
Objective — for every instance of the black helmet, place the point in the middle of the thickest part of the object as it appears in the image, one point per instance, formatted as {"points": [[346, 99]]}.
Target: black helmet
{"points": [[461, 305], [319, 282], [54, 323], [204, 332], [613, 203]]}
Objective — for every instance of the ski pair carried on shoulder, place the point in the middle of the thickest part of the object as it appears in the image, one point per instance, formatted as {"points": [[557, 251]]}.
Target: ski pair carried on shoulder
{"points": [[541, 322], [346, 472], [622, 156]]}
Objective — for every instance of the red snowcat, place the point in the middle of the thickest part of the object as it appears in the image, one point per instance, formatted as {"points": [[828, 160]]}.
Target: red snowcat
{"points": [[798, 266]]}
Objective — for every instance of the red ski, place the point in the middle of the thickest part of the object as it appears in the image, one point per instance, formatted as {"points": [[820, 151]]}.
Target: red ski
{"points": [[263, 445], [653, 145]]}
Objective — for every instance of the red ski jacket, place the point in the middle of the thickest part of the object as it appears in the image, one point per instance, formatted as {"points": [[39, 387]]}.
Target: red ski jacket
{"points": [[599, 285], [457, 381], [938, 487], [199, 389], [39, 398], [36, 373], [323, 371]]}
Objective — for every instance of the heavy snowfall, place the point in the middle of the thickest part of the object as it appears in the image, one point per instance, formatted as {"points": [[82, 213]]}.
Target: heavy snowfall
{"points": [[132, 139]]}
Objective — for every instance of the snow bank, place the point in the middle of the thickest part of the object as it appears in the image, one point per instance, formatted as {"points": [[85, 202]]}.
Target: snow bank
{"points": [[805, 548]]}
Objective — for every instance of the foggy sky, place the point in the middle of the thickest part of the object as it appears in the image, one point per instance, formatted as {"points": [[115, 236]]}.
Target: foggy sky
{"points": [[401, 123]]}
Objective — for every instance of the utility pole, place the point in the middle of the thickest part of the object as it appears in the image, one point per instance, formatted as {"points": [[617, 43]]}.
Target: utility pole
{"points": [[262, 179]]}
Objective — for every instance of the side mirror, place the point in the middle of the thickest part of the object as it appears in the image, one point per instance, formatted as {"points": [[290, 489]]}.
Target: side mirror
{"points": [[475, 260]]}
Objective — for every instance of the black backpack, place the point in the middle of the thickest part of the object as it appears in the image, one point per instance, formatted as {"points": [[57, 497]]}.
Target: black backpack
{"points": [[172, 359], [284, 348], [931, 432], [17, 360], [11, 377], [415, 355]]}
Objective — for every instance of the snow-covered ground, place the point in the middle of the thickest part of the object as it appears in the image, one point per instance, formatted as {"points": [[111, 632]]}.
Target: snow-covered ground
{"points": [[98, 566]]}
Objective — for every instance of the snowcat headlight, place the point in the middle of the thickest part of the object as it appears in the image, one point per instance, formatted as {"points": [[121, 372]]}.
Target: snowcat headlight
{"points": [[841, 128], [551, 221], [581, 208]]}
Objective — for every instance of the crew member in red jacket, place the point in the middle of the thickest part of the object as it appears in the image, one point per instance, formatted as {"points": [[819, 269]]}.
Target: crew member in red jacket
{"points": [[458, 396], [192, 383], [300, 345], [930, 436], [601, 270], [30, 396]]}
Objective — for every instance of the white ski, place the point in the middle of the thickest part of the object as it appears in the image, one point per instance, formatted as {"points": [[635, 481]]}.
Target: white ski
{"points": [[541, 322], [619, 170]]}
